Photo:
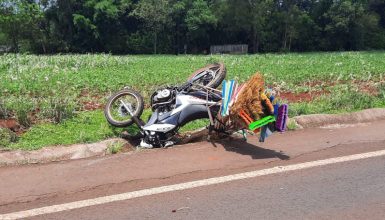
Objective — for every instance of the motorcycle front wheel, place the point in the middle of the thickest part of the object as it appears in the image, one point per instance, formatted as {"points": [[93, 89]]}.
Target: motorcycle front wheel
{"points": [[211, 75], [121, 106]]}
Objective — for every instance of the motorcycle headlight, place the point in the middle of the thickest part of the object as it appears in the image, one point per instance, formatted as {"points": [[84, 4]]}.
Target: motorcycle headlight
{"points": [[165, 93]]}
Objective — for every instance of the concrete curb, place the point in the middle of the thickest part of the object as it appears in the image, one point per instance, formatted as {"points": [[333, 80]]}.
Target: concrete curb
{"points": [[78, 151], [319, 120], [57, 153]]}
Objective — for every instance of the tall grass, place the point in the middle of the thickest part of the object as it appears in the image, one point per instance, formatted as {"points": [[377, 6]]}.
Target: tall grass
{"points": [[101, 73]]}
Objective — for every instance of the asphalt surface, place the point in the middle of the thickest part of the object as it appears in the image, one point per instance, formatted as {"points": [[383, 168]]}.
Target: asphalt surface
{"points": [[353, 190], [349, 190]]}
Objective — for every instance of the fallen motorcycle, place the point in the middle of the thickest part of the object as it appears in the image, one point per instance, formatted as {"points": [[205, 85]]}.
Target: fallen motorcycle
{"points": [[172, 107], [246, 106]]}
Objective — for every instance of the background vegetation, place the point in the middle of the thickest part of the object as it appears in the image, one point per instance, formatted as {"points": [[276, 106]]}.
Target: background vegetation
{"points": [[190, 26]]}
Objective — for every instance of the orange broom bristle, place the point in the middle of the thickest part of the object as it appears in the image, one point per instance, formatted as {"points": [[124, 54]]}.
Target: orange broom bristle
{"points": [[252, 102]]}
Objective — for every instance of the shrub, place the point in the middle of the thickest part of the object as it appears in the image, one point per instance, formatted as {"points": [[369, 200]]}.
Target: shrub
{"points": [[57, 109], [115, 147], [6, 137], [21, 107], [4, 113]]}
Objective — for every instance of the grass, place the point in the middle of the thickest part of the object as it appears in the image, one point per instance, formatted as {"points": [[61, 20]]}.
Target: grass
{"points": [[47, 75], [195, 124], [291, 125], [115, 147], [87, 127], [49, 92], [6, 137], [343, 98]]}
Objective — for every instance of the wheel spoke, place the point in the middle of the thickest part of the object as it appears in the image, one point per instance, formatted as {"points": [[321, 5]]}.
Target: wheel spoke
{"points": [[121, 107]]}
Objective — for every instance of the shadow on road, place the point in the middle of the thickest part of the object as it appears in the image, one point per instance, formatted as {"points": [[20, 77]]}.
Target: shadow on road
{"points": [[233, 145], [256, 152]]}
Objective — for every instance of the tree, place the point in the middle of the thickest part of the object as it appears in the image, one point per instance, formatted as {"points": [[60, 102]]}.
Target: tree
{"points": [[249, 16], [178, 23], [345, 28], [200, 20], [19, 20], [145, 26], [155, 14], [60, 25]]}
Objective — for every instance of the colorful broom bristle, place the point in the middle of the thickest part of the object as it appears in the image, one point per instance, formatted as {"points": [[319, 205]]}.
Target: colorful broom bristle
{"points": [[252, 101]]}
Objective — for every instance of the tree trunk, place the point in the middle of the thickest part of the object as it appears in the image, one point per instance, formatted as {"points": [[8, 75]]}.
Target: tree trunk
{"points": [[15, 41], [289, 43], [177, 38], [254, 41], [43, 46], [284, 43], [155, 41]]}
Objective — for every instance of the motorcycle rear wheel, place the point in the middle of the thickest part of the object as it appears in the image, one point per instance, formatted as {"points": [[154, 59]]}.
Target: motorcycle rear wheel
{"points": [[203, 76], [115, 109]]}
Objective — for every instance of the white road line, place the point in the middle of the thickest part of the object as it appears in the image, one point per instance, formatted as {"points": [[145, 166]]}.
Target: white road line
{"points": [[187, 185]]}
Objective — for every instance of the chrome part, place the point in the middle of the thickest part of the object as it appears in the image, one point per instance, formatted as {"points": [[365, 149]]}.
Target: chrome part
{"points": [[169, 143], [159, 127], [127, 107], [145, 145]]}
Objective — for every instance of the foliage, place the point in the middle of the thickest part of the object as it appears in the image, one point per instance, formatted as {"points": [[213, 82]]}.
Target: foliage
{"points": [[115, 147], [292, 125], [200, 20], [344, 98], [6, 137], [85, 128], [155, 14], [58, 108], [177, 26], [20, 20]]}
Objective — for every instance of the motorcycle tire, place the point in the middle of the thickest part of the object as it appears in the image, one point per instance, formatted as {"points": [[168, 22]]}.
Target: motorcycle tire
{"points": [[219, 77], [139, 106]]}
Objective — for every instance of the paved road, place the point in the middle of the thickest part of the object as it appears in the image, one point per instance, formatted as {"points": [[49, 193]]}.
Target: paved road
{"points": [[352, 190]]}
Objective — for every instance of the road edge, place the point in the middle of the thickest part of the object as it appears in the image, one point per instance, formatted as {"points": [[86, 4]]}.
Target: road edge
{"points": [[321, 120], [98, 149]]}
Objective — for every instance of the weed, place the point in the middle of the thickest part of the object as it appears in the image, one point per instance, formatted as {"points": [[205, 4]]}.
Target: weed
{"points": [[4, 113], [21, 108], [115, 147], [343, 98], [292, 125], [58, 108], [381, 91], [6, 137]]}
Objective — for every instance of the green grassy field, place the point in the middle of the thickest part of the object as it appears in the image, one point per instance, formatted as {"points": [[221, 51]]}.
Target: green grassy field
{"points": [[50, 95]]}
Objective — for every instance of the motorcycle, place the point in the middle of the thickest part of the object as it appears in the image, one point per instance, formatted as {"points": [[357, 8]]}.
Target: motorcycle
{"points": [[172, 106]]}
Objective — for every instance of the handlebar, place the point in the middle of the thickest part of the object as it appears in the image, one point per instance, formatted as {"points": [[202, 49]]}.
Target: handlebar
{"points": [[184, 87]]}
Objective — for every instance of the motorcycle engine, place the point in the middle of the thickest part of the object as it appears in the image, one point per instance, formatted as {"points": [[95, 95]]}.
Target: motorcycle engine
{"points": [[163, 99]]}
